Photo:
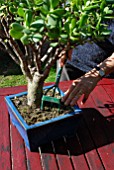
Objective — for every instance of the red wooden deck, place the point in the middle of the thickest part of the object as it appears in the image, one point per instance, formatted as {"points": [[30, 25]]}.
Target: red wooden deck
{"points": [[92, 148]]}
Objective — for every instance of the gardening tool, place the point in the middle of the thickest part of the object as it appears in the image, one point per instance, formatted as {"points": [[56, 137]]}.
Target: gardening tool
{"points": [[53, 89]]}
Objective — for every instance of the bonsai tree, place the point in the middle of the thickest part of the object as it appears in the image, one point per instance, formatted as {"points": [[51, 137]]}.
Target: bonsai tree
{"points": [[36, 33]]}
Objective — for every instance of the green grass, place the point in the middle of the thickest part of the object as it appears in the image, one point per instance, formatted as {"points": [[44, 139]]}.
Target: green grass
{"points": [[16, 80], [13, 80], [11, 75]]}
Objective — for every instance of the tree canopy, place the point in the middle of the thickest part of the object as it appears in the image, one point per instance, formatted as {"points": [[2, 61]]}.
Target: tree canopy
{"points": [[60, 21]]}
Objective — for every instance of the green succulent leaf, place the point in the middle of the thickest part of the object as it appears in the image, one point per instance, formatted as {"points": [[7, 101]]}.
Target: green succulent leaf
{"points": [[15, 34], [75, 32], [37, 24], [59, 12], [17, 27], [53, 3], [75, 39], [61, 21], [28, 17], [3, 7], [22, 5], [12, 9], [73, 24], [110, 1], [21, 12], [108, 11], [67, 27], [45, 8], [52, 22], [54, 44], [65, 36], [38, 2], [92, 7], [83, 20], [106, 32], [53, 34], [26, 31], [37, 37], [25, 39]]}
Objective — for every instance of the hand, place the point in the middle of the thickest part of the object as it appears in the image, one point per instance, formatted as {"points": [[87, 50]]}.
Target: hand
{"points": [[81, 86], [64, 57]]}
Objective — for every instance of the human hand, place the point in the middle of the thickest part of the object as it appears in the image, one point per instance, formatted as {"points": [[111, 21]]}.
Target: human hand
{"points": [[81, 86], [64, 57]]}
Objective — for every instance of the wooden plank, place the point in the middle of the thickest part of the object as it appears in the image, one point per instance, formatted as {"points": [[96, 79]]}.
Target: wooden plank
{"points": [[97, 124], [110, 91], [48, 158], [89, 149], [17, 150], [33, 160], [62, 156], [64, 85], [99, 164], [5, 154], [106, 81], [76, 153], [16, 89], [101, 99], [12, 90]]}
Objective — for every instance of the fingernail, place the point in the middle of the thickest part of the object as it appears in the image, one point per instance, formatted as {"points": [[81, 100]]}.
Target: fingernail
{"points": [[82, 103]]}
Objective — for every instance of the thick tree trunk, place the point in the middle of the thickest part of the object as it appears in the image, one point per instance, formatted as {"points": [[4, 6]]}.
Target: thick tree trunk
{"points": [[35, 91]]}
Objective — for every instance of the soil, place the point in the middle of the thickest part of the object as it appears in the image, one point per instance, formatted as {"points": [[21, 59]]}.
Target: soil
{"points": [[30, 116], [9, 67]]}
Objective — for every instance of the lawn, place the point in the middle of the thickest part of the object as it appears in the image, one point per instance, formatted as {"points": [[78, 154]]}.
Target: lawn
{"points": [[10, 74]]}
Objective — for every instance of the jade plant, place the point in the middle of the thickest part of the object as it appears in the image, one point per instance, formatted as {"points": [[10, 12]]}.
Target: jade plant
{"points": [[36, 33]]}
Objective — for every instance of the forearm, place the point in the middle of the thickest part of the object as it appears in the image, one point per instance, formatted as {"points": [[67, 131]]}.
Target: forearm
{"points": [[85, 84], [108, 65]]}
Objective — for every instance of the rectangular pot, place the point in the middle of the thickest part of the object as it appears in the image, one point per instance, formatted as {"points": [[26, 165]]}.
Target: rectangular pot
{"points": [[43, 132]]}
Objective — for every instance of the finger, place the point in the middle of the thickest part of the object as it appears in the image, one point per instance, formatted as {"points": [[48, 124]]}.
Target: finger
{"points": [[68, 92], [73, 96], [62, 60], [76, 98], [85, 98], [63, 57]]}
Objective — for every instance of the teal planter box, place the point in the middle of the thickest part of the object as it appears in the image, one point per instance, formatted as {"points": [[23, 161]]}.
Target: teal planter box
{"points": [[43, 132]]}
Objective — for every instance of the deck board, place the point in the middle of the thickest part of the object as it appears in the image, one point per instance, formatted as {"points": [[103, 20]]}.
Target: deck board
{"points": [[33, 160], [76, 153], [48, 157], [17, 150], [99, 126], [5, 152], [62, 156], [91, 148]]}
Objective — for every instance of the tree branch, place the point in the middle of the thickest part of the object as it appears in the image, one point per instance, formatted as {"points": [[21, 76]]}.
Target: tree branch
{"points": [[51, 62], [15, 47]]}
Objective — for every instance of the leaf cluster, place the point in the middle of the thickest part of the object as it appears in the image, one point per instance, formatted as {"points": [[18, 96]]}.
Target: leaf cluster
{"points": [[60, 21]]}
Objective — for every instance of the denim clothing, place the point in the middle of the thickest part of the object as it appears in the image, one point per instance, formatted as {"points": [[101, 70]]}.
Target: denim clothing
{"points": [[87, 56]]}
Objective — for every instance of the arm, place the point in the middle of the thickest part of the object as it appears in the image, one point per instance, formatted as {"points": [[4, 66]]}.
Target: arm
{"points": [[85, 84]]}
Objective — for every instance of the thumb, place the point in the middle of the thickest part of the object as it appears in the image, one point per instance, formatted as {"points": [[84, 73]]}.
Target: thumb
{"points": [[62, 60]]}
